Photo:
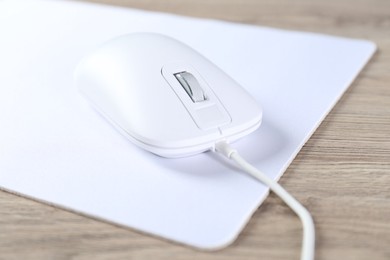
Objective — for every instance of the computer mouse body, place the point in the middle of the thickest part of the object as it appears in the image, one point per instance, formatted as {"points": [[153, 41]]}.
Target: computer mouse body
{"points": [[164, 96]]}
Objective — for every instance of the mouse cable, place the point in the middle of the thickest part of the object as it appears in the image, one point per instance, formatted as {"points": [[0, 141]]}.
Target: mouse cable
{"points": [[308, 241]]}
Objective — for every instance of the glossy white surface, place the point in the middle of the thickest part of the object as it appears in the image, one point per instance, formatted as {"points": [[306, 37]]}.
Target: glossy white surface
{"points": [[131, 80]]}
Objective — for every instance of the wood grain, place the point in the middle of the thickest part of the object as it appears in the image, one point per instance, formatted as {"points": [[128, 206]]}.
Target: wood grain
{"points": [[342, 174]]}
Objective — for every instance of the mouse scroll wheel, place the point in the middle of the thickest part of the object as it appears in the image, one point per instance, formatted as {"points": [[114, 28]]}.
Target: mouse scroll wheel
{"points": [[191, 86]]}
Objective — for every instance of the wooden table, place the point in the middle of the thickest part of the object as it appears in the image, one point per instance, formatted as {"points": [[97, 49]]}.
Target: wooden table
{"points": [[342, 175]]}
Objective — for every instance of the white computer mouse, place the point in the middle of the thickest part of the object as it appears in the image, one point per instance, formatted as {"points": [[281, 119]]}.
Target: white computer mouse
{"points": [[164, 96]]}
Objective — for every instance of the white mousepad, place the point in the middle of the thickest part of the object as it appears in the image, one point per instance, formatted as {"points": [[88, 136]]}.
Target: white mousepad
{"points": [[55, 148]]}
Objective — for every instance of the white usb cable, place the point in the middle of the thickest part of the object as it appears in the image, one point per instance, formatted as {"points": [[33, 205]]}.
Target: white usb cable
{"points": [[308, 241]]}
